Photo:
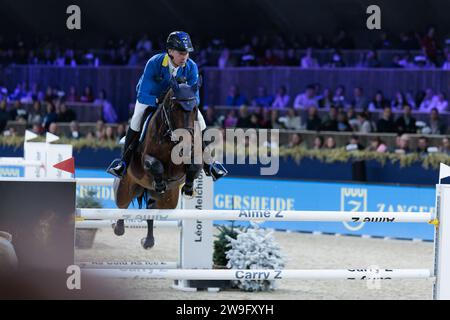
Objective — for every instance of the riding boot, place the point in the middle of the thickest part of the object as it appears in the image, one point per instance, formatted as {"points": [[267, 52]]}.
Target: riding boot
{"points": [[213, 169], [119, 166]]}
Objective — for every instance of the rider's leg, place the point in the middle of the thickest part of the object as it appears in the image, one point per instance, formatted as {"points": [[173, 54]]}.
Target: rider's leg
{"points": [[215, 169], [119, 166]]}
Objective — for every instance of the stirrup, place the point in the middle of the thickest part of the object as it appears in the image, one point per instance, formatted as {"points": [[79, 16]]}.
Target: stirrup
{"points": [[216, 170], [117, 168]]}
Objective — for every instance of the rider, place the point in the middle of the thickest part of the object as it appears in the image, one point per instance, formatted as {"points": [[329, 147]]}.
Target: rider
{"points": [[152, 85]]}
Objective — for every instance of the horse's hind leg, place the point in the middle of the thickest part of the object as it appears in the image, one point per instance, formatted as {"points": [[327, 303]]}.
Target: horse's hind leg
{"points": [[149, 241]]}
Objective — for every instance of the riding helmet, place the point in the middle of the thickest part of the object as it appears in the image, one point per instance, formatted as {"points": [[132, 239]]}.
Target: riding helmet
{"points": [[180, 41]]}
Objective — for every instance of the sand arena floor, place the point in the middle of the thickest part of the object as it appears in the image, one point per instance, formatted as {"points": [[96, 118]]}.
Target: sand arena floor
{"points": [[302, 251]]}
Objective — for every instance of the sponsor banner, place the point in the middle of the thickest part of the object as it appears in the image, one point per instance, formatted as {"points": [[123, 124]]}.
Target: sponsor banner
{"points": [[238, 193], [233, 193], [12, 171]]}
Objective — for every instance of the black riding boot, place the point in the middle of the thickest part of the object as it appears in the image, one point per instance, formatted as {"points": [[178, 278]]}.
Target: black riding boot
{"points": [[215, 169], [119, 166]]}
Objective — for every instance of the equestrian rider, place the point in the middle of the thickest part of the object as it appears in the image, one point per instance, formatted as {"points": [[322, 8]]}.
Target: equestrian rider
{"points": [[152, 85]]}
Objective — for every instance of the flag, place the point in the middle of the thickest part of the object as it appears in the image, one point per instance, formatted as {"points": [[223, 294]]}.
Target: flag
{"points": [[444, 172], [50, 137], [29, 135], [66, 165]]}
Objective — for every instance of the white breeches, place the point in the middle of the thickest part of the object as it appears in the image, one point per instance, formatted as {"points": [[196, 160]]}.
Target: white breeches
{"points": [[139, 110]]}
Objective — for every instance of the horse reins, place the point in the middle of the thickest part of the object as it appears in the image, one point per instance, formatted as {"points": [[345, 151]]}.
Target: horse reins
{"points": [[169, 131]]}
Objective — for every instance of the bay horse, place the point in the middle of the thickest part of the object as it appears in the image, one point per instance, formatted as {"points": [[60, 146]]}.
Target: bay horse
{"points": [[152, 178]]}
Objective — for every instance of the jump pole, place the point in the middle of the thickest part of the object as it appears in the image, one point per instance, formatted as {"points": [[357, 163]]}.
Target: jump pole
{"points": [[19, 162], [441, 288], [128, 265], [129, 224], [263, 274], [255, 215]]}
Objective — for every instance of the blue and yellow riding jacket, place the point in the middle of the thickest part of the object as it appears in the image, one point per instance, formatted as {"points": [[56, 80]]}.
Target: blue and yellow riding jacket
{"points": [[154, 82]]}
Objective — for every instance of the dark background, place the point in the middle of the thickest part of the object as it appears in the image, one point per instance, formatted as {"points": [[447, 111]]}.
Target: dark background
{"points": [[231, 19]]}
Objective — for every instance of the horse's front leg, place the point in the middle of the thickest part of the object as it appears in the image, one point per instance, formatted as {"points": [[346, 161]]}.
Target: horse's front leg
{"points": [[156, 169], [192, 173], [149, 241]]}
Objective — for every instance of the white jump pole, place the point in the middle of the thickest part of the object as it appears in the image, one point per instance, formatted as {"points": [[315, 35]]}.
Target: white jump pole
{"points": [[131, 224], [19, 162], [264, 274], [128, 265], [97, 182], [441, 289], [254, 215]]}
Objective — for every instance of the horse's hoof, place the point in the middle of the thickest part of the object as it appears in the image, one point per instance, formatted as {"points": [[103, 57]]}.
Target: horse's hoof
{"points": [[119, 228], [147, 243], [187, 192]]}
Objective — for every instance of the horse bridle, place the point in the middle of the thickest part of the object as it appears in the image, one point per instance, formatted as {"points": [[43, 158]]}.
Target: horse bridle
{"points": [[168, 121]]}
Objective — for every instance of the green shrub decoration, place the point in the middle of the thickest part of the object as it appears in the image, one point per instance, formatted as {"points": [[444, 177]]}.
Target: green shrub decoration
{"points": [[89, 200], [221, 244]]}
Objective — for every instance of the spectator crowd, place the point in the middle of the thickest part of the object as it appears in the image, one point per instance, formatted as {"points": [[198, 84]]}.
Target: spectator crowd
{"points": [[255, 50], [40, 110], [345, 112], [43, 109], [402, 145], [313, 109]]}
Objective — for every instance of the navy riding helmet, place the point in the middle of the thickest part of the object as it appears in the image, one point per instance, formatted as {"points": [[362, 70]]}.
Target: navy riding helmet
{"points": [[180, 41]]}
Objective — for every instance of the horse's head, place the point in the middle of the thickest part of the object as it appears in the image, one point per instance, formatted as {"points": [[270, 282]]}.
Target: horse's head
{"points": [[182, 105]]}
